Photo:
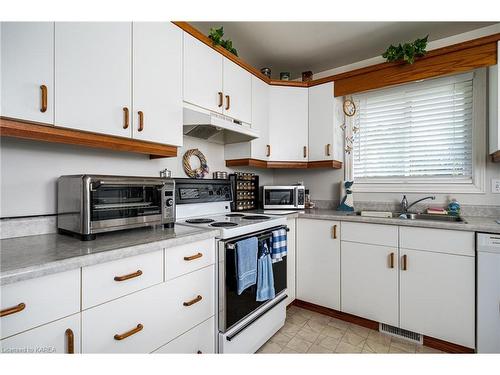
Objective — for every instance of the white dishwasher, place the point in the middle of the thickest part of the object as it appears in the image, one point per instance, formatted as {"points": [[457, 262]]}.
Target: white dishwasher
{"points": [[488, 293]]}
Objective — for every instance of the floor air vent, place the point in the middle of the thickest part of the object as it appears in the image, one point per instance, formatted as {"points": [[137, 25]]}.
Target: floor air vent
{"points": [[401, 333]]}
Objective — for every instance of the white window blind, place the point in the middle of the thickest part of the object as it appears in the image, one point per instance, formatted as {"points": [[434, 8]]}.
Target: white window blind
{"points": [[415, 131]]}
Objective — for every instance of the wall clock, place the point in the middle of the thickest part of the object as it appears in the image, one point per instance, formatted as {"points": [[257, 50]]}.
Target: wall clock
{"points": [[349, 107]]}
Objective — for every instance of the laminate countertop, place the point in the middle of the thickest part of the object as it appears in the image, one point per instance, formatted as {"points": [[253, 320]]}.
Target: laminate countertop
{"points": [[24, 258], [469, 223]]}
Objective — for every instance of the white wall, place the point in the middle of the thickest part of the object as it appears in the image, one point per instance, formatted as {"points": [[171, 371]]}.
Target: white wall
{"points": [[29, 170]]}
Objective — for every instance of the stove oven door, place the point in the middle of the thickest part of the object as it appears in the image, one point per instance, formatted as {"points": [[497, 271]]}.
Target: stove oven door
{"points": [[234, 308]]}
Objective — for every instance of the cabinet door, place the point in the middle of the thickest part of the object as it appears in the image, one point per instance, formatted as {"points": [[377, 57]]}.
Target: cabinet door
{"points": [[157, 81], [61, 336], [93, 76], [291, 261], [288, 119], [27, 62], [237, 92], [318, 262], [437, 295], [370, 281], [325, 119], [202, 75], [494, 105]]}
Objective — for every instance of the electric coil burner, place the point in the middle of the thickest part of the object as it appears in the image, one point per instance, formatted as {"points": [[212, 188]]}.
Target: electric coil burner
{"points": [[234, 215], [201, 220], [256, 217], [223, 224]]}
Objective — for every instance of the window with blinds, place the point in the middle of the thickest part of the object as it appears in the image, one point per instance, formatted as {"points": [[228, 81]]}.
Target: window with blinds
{"points": [[417, 131]]}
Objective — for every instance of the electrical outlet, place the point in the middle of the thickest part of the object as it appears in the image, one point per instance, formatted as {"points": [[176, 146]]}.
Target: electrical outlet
{"points": [[495, 185]]}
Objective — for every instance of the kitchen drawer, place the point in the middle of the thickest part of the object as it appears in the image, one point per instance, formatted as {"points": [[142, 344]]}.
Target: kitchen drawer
{"points": [[438, 240], [146, 309], [188, 258], [374, 234], [56, 337], [185, 309], [198, 340], [45, 299], [107, 281]]}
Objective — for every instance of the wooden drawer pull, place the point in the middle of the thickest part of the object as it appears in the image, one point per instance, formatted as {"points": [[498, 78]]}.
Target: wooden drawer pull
{"points": [[193, 257], [43, 106], [125, 117], [129, 276], [70, 337], [228, 102], [405, 262], [12, 310], [129, 333], [141, 121], [193, 301], [221, 99], [391, 260]]}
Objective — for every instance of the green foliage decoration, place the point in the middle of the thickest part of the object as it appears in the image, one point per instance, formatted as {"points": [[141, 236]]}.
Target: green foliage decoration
{"points": [[216, 35], [406, 52]]}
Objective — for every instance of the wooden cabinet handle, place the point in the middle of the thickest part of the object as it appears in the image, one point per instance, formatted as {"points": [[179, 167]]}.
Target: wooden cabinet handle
{"points": [[305, 151], [328, 151], [133, 331], [43, 106], [391, 260], [12, 310], [141, 121], [193, 257], [221, 99], [129, 276], [334, 232], [405, 263], [228, 102], [70, 341], [268, 151], [125, 117], [193, 301]]}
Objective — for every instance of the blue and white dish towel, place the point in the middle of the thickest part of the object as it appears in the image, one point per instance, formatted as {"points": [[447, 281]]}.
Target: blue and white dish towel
{"points": [[279, 248], [246, 263], [265, 278]]}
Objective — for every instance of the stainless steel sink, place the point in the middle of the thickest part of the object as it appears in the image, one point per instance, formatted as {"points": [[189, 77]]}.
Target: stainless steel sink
{"points": [[409, 216]]}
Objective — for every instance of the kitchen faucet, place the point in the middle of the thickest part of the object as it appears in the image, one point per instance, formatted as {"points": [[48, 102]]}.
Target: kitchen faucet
{"points": [[405, 206]]}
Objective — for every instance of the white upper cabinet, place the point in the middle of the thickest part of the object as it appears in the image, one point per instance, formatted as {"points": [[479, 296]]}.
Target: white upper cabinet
{"points": [[157, 82], [494, 105], [93, 76], [258, 148], [325, 119], [318, 262], [237, 86], [202, 75], [288, 123], [27, 71]]}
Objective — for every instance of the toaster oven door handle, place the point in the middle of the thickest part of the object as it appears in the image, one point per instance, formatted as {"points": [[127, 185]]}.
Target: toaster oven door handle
{"points": [[98, 183]]}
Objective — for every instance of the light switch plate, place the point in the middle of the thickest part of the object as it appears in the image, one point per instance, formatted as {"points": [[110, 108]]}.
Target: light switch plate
{"points": [[495, 185]]}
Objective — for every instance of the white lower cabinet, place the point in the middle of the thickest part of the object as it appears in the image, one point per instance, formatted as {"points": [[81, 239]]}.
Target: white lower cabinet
{"points": [[291, 260], [198, 340], [437, 295], [61, 336], [318, 262], [370, 281]]}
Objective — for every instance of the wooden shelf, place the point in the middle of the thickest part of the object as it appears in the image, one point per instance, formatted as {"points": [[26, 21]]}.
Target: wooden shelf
{"points": [[495, 157], [333, 164], [48, 133]]}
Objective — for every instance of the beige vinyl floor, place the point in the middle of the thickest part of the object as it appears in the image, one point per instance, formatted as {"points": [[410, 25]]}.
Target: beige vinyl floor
{"points": [[310, 332]]}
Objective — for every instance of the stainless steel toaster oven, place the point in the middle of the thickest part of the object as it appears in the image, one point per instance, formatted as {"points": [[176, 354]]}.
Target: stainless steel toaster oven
{"points": [[90, 204]]}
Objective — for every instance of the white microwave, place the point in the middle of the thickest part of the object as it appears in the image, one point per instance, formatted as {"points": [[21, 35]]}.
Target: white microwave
{"points": [[283, 197]]}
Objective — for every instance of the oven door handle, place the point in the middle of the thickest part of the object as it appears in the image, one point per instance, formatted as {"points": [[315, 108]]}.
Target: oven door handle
{"points": [[231, 337], [98, 183]]}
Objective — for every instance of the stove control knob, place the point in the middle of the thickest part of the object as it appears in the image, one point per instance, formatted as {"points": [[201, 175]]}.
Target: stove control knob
{"points": [[170, 202]]}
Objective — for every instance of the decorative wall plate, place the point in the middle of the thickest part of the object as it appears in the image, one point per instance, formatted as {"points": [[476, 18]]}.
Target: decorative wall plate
{"points": [[349, 107]]}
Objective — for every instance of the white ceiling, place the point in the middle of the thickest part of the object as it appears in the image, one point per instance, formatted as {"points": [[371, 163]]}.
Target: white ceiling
{"points": [[299, 46]]}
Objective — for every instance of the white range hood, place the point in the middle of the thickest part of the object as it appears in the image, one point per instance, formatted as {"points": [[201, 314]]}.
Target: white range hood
{"points": [[214, 127]]}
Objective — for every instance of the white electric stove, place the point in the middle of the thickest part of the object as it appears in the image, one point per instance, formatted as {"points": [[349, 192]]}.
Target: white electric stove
{"points": [[244, 324]]}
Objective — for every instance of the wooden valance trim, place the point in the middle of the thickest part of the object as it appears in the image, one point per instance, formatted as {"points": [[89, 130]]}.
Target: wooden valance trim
{"points": [[430, 66], [451, 59], [48, 133], [256, 163]]}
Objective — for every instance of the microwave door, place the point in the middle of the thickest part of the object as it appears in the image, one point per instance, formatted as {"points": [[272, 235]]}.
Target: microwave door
{"points": [[279, 198]]}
